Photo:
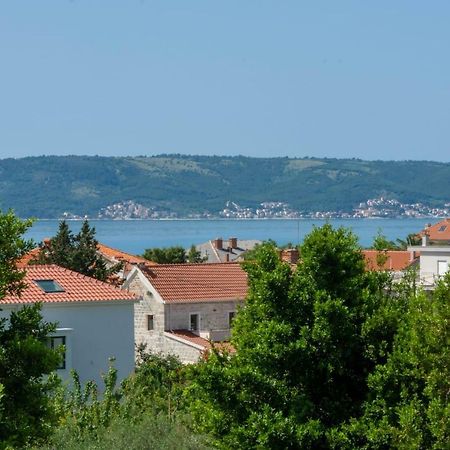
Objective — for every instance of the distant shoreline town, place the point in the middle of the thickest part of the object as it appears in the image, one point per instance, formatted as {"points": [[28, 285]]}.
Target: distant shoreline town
{"points": [[377, 208]]}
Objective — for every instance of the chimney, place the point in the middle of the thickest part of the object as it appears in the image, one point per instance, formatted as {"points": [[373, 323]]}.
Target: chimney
{"points": [[227, 258], [425, 239], [290, 255], [232, 242], [218, 243]]}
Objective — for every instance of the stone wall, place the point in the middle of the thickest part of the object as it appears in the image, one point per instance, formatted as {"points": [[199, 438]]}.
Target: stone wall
{"points": [[213, 316]]}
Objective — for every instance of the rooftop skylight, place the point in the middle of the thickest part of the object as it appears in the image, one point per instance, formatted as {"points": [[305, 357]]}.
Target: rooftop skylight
{"points": [[442, 228], [49, 286]]}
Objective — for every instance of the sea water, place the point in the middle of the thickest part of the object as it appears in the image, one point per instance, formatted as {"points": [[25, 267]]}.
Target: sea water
{"points": [[134, 236]]}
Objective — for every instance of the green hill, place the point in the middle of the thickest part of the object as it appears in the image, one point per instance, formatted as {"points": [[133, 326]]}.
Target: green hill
{"points": [[47, 186]]}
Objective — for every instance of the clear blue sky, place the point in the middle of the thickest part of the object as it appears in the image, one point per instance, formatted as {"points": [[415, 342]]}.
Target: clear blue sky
{"points": [[259, 78]]}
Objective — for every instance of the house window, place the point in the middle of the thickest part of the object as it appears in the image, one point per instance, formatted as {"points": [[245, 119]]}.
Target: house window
{"points": [[231, 316], [150, 322], [442, 228], [442, 268], [54, 343], [194, 322]]}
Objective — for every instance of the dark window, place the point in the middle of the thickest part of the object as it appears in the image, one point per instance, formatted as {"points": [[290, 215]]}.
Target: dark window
{"points": [[49, 286], [54, 343], [231, 316], [150, 323], [194, 322], [442, 228]]}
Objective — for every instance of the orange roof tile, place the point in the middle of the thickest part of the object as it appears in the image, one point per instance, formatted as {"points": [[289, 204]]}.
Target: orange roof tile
{"points": [[192, 283], [77, 287], [197, 340], [119, 255], [395, 260], [439, 231], [25, 260]]}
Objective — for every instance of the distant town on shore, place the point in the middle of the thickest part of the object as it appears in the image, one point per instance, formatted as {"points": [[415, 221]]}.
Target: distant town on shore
{"points": [[372, 208]]}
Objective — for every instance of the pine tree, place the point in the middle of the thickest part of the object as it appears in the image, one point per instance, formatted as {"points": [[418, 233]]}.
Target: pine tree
{"points": [[78, 253]]}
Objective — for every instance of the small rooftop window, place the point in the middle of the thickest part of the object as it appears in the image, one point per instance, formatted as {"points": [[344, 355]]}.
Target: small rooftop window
{"points": [[442, 228], [49, 286]]}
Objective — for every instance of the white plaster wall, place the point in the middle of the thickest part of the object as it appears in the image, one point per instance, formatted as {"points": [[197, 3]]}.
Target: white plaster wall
{"points": [[98, 332], [429, 262]]}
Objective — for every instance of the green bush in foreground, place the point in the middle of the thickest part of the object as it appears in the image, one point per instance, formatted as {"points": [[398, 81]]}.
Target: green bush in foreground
{"points": [[142, 413]]}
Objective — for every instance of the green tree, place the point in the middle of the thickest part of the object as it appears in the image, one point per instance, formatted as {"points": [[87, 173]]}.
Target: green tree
{"points": [[85, 257], [25, 409], [195, 256], [408, 403], [300, 365], [12, 247], [78, 253], [167, 255], [380, 242]]}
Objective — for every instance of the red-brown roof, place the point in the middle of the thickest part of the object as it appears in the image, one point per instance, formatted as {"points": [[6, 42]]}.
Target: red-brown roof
{"points": [[119, 255], [439, 231], [395, 260], [192, 283], [77, 287], [197, 340], [25, 260]]}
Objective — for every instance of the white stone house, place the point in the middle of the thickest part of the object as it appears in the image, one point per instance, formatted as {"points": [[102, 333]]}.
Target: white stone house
{"points": [[95, 321], [185, 307]]}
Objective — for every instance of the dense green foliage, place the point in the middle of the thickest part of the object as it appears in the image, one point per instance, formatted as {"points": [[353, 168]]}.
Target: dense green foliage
{"points": [[78, 253], [48, 186], [328, 356], [166, 255], [12, 248], [143, 413], [25, 410], [380, 242], [173, 255]]}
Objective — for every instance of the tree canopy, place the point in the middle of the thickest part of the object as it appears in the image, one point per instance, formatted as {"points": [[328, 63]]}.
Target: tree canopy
{"points": [[326, 359], [25, 407], [76, 252], [166, 255]]}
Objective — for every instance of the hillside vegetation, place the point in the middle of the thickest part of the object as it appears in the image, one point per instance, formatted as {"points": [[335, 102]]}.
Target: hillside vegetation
{"points": [[47, 186]]}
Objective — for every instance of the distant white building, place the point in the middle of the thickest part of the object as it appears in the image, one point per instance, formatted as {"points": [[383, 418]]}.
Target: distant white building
{"points": [[434, 258], [95, 320]]}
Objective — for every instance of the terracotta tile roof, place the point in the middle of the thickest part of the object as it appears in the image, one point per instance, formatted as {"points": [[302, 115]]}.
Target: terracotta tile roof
{"points": [[193, 283], [439, 231], [25, 260], [118, 255], [197, 340], [395, 260], [77, 287]]}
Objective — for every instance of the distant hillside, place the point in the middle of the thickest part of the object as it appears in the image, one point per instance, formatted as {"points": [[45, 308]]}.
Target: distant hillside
{"points": [[48, 186]]}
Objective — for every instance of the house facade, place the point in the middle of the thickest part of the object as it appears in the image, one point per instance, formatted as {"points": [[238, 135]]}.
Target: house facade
{"points": [[434, 260], [95, 321], [185, 307]]}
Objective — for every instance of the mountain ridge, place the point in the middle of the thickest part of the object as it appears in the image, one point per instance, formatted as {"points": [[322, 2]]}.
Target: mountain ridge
{"points": [[186, 185]]}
